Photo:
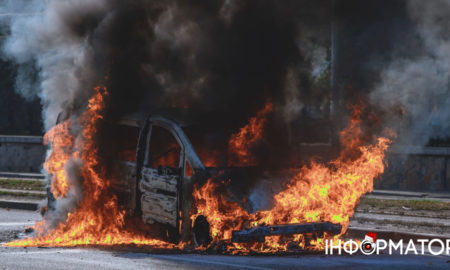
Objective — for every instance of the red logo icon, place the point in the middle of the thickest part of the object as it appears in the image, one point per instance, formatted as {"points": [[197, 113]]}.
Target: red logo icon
{"points": [[369, 243]]}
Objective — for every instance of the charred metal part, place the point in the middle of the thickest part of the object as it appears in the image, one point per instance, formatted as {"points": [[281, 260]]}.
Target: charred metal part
{"points": [[51, 201], [164, 194], [159, 200], [185, 205], [126, 170], [182, 139], [26, 233], [142, 147], [189, 155], [201, 232], [160, 195], [164, 170], [258, 233]]}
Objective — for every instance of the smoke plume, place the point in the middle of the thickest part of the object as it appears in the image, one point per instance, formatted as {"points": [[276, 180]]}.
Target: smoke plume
{"points": [[415, 87], [222, 59], [218, 58]]}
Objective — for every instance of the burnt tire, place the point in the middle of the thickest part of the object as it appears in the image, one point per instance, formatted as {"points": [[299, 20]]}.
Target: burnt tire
{"points": [[201, 232]]}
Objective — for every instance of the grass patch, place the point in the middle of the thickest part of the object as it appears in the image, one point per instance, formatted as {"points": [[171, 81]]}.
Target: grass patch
{"points": [[412, 204], [22, 184]]}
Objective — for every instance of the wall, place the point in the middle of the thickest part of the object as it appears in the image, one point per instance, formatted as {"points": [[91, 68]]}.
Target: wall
{"points": [[417, 169], [21, 153]]}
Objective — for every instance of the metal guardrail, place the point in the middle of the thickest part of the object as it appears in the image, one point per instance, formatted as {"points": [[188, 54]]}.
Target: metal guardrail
{"points": [[420, 150], [21, 139], [22, 175]]}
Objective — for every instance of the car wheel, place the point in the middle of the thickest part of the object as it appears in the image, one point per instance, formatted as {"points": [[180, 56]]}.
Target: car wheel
{"points": [[201, 233]]}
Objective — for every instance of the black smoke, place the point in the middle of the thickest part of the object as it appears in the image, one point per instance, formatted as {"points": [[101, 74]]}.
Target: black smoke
{"points": [[210, 63]]}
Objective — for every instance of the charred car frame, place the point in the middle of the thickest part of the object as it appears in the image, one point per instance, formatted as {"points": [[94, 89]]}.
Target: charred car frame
{"points": [[162, 195]]}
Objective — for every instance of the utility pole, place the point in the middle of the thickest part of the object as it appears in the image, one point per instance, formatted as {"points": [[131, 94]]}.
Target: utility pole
{"points": [[335, 92]]}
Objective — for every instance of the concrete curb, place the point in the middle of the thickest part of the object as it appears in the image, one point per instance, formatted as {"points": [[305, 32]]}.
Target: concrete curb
{"points": [[408, 194], [359, 233], [20, 205]]}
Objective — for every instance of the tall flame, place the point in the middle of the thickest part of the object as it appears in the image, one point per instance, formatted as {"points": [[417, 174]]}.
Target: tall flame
{"points": [[318, 192], [61, 139], [240, 143], [97, 220], [330, 192]]}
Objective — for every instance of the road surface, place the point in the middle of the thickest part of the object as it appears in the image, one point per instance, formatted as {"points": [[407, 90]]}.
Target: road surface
{"points": [[13, 221]]}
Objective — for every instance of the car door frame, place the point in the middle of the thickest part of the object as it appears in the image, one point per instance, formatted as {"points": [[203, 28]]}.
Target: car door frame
{"points": [[187, 155]]}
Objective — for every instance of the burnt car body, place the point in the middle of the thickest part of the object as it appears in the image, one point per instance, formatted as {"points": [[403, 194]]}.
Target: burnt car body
{"points": [[163, 194], [160, 193]]}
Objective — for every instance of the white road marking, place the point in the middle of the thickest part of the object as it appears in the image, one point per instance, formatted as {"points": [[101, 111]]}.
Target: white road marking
{"points": [[51, 251], [9, 224]]}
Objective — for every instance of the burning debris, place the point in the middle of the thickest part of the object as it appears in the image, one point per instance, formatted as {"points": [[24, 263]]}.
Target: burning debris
{"points": [[317, 193]]}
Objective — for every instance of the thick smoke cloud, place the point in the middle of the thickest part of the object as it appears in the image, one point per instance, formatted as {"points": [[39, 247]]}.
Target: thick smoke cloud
{"points": [[216, 54], [55, 61], [416, 86], [226, 57], [220, 59]]}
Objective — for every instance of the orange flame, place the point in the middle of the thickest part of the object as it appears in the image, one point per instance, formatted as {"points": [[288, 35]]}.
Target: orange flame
{"points": [[240, 143], [318, 192], [97, 220], [60, 138], [223, 215]]}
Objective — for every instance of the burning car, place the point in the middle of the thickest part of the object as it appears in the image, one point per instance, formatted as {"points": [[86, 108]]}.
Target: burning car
{"points": [[155, 175], [107, 175]]}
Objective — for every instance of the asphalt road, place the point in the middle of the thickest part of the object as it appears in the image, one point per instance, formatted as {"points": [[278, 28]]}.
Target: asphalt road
{"points": [[89, 258]]}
